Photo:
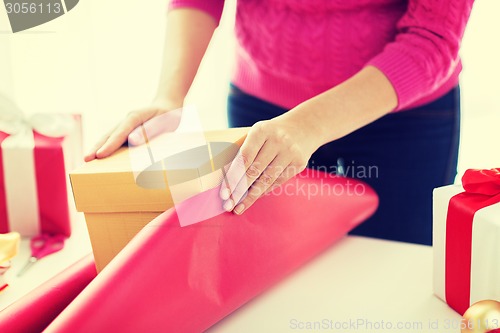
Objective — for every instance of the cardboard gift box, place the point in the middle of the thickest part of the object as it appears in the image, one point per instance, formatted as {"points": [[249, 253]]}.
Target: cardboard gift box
{"points": [[35, 155], [118, 200], [466, 240]]}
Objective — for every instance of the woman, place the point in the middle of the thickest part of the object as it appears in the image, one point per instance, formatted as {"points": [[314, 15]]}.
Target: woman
{"points": [[373, 83]]}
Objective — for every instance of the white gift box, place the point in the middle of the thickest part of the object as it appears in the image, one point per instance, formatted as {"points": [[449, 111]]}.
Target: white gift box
{"points": [[36, 153], [485, 256]]}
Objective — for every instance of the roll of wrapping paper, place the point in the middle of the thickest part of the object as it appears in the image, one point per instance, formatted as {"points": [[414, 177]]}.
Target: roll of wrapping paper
{"points": [[185, 279], [35, 311]]}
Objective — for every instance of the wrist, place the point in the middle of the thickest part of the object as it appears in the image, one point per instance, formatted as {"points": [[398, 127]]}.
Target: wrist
{"points": [[309, 124], [305, 127], [164, 102]]}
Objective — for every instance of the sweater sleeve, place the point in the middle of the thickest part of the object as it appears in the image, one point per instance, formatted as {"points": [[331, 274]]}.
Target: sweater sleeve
{"points": [[424, 53], [212, 7]]}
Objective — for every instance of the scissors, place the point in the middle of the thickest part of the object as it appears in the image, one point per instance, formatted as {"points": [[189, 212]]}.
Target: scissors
{"points": [[42, 246]]}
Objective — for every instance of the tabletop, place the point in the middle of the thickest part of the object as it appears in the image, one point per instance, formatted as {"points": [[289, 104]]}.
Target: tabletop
{"points": [[358, 285]]}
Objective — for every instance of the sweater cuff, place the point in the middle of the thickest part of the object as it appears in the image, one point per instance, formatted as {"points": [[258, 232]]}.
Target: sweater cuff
{"points": [[212, 7], [405, 75]]}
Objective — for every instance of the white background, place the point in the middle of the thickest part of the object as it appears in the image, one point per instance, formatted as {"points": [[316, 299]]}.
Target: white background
{"points": [[102, 59]]}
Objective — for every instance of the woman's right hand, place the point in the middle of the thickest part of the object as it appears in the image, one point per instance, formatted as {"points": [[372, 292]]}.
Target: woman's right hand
{"points": [[187, 36], [114, 139]]}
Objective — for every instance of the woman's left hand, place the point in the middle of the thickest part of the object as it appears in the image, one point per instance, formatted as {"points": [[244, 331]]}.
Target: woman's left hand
{"points": [[274, 151]]}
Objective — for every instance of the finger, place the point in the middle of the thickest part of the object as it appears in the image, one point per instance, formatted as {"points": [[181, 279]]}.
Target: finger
{"points": [[163, 123], [264, 158], [239, 193], [224, 191], [285, 176], [263, 183], [91, 154], [115, 141], [244, 158], [228, 201], [120, 134], [235, 194]]}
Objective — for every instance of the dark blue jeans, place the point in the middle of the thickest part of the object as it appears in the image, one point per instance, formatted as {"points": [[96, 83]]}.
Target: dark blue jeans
{"points": [[403, 156]]}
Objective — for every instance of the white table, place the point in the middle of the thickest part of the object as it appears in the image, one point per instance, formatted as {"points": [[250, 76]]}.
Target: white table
{"points": [[359, 281]]}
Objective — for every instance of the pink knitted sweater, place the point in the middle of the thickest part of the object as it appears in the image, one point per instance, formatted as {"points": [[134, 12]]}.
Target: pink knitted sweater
{"points": [[291, 50]]}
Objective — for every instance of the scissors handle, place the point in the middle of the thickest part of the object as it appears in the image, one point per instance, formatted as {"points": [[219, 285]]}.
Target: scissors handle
{"points": [[29, 264], [44, 245]]}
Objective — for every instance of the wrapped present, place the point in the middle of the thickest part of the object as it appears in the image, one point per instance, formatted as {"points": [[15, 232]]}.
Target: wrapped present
{"points": [[173, 278], [117, 201], [35, 155], [466, 240]]}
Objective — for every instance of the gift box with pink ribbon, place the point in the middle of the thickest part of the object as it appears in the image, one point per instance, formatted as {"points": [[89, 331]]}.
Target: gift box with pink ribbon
{"points": [[35, 154], [466, 240]]}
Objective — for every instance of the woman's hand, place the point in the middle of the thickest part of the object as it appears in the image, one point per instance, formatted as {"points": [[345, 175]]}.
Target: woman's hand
{"points": [[114, 139], [187, 36], [276, 150], [273, 152]]}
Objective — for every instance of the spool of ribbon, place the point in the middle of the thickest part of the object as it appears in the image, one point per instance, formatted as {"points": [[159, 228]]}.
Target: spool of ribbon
{"points": [[9, 246], [18, 161], [482, 189]]}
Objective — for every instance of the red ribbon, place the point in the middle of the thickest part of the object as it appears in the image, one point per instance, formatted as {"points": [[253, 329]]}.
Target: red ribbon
{"points": [[51, 186], [51, 180], [482, 189], [3, 199]]}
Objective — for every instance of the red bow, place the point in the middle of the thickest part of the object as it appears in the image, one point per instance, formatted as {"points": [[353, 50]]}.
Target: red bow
{"points": [[485, 182]]}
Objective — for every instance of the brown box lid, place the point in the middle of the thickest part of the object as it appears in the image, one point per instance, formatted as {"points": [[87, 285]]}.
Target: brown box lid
{"points": [[108, 185]]}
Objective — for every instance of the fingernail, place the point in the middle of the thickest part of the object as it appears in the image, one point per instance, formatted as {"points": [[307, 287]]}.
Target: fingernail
{"points": [[224, 194], [239, 209], [88, 158], [98, 154], [228, 205], [134, 138]]}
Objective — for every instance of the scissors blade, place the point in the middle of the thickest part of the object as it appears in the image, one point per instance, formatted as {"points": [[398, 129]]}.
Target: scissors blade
{"points": [[29, 264]]}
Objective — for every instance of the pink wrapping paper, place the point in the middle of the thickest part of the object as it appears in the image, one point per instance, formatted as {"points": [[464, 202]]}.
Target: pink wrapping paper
{"points": [[185, 279], [35, 311]]}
